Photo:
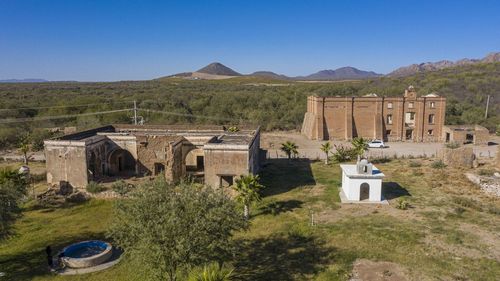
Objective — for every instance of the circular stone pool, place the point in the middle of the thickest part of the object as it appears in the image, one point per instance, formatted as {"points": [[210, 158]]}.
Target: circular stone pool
{"points": [[87, 254]]}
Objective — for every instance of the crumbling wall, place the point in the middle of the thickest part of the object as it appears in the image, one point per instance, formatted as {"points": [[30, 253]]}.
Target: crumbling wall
{"points": [[254, 154], [66, 161], [462, 157], [165, 150], [224, 163]]}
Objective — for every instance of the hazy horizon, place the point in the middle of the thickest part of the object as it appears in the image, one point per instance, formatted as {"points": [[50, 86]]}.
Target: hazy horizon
{"points": [[118, 40]]}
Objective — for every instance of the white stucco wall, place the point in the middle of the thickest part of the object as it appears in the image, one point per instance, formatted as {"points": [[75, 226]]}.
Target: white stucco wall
{"points": [[352, 186]]}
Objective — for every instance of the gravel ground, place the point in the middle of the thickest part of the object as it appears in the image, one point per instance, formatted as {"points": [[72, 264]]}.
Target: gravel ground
{"points": [[311, 148]]}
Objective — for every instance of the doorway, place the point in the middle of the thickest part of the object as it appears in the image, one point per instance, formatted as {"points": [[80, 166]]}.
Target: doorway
{"points": [[364, 191], [409, 134], [447, 137], [159, 169]]}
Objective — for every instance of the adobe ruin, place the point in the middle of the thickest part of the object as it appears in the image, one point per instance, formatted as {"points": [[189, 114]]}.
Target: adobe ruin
{"points": [[209, 153], [407, 118]]}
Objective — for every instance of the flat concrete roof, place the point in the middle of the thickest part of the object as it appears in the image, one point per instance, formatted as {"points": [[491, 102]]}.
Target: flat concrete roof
{"points": [[350, 170], [216, 135]]}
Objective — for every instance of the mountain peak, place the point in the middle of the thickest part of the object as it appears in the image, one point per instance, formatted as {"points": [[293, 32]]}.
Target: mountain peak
{"points": [[217, 68], [346, 72]]}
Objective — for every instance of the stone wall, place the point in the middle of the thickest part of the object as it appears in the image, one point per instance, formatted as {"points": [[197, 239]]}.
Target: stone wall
{"points": [[159, 150], [462, 157], [224, 162], [66, 161]]}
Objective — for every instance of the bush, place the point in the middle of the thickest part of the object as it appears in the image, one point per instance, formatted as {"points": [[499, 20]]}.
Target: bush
{"points": [[438, 164], [486, 172], [121, 187], [39, 177], [94, 187], [381, 160], [403, 204], [452, 145], [414, 164], [211, 272], [467, 203], [344, 154]]}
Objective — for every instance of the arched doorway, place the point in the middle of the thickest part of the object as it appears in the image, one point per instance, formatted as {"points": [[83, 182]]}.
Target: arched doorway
{"points": [[364, 191], [195, 160], [121, 163]]}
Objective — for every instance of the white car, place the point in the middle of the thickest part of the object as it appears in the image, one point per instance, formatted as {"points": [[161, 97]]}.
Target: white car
{"points": [[376, 143]]}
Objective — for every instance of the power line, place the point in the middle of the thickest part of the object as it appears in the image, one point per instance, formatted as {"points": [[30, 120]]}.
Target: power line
{"points": [[192, 115], [60, 106], [43, 118]]}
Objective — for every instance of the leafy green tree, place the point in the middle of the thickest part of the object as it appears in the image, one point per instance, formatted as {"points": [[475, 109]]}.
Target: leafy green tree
{"points": [[25, 148], [326, 148], [167, 229], [289, 148], [360, 145], [12, 188], [247, 187]]}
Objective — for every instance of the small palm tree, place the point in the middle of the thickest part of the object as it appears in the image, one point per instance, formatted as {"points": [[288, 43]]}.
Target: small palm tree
{"points": [[289, 148], [247, 187], [360, 145], [326, 147]]}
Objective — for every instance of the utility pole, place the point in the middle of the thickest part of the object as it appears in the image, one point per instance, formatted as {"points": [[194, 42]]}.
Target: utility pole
{"points": [[135, 112], [487, 105]]}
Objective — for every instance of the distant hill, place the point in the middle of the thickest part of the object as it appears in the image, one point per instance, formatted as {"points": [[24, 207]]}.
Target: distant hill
{"points": [[270, 74], [28, 80], [343, 73], [218, 69], [433, 66]]}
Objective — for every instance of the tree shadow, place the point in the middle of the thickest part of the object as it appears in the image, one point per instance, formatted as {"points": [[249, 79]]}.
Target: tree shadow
{"points": [[29, 264], [392, 190], [278, 207], [283, 175], [292, 257]]}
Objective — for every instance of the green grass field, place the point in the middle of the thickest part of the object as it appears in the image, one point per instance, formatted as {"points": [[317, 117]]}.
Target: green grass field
{"points": [[449, 233]]}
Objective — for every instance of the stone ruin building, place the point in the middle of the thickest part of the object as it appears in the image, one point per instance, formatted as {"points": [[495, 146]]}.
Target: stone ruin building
{"points": [[209, 153], [407, 118], [464, 134]]}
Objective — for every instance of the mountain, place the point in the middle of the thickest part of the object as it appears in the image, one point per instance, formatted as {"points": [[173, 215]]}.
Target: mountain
{"points": [[343, 73], [270, 74], [28, 80], [433, 66], [218, 69]]}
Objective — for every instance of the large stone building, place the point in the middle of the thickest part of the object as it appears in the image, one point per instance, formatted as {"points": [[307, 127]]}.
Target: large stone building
{"points": [[209, 153], [407, 118]]}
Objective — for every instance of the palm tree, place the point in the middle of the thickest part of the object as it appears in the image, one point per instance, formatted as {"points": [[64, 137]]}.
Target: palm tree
{"points": [[248, 187], [360, 145], [326, 147], [289, 148]]}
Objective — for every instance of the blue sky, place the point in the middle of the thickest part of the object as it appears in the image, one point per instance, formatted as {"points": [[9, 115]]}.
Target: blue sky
{"points": [[131, 40]]}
